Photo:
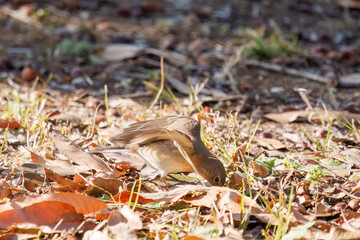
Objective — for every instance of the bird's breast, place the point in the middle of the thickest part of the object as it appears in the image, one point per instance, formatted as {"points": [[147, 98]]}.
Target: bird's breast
{"points": [[165, 157]]}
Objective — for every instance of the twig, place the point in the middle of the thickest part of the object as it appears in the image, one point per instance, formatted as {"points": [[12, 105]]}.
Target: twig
{"points": [[137, 94], [289, 71], [162, 83]]}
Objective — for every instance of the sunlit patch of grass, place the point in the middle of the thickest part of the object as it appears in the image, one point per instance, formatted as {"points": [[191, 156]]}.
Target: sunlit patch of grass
{"points": [[261, 46], [166, 95], [316, 174], [351, 126], [316, 142]]}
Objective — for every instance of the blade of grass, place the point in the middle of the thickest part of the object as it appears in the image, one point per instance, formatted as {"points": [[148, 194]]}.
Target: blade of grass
{"points": [[161, 84]]}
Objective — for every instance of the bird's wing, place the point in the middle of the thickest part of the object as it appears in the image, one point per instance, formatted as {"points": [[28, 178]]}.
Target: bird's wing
{"points": [[154, 124], [144, 132]]}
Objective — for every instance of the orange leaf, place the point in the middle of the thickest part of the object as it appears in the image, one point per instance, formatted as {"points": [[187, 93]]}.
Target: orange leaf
{"points": [[125, 197], [193, 238], [82, 204], [63, 182], [42, 213], [10, 123]]}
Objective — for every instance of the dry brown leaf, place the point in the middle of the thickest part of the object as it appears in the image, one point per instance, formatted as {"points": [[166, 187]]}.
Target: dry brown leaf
{"points": [[99, 185], [77, 154], [287, 117], [351, 80], [257, 169], [237, 180], [316, 116], [119, 52], [127, 157], [270, 143], [36, 158], [352, 156], [5, 190], [124, 197], [193, 238], [9, 123], [225, 199], [350, 220], [53, 162], [38, 169], [47, 213], [349, 3], [125, 215], [172, 57], [82, 204], [172, 195], [64, 183], [123, 223]]}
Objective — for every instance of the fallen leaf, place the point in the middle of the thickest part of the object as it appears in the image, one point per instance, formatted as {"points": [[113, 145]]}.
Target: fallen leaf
{"points": [[77, 154], [351, 80], [257, 169], [270, 143], [124, 197], [193, 238], [48, 213], [38, 168], [5, 190], [125, 215], [9, 123], [349, 3], [82, 204], [225, 199], [64, 183], [237, 180], [101, 185], [119, 52], [316, 116], [123, 223], [352, 156]]}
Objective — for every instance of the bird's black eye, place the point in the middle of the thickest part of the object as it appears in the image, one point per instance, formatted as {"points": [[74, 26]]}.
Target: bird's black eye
{"points": [[217, 179]]}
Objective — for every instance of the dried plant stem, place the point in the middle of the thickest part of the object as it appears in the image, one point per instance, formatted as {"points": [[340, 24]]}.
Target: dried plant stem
{"points": [[289, 71], [161, 84]]}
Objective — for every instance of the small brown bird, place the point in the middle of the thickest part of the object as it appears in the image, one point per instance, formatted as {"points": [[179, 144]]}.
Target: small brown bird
{"points": [[160, 142]]}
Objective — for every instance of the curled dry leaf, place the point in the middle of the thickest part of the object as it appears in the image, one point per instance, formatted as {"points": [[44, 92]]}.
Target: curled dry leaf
{"points": [[77, 154], [64, 184]]}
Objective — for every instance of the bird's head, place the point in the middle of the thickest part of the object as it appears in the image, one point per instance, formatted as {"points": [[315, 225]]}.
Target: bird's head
{"points": [[214, 172]]}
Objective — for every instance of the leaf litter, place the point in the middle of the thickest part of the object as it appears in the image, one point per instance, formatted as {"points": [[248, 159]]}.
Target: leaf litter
{"points": [[295, 175]]}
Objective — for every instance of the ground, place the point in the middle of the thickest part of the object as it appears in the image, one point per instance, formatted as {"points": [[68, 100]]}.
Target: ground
{"points": [[274, 84]]}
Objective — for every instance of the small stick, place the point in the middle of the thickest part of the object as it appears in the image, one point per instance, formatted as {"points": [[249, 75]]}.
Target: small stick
{"points": [[289, 71]]}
